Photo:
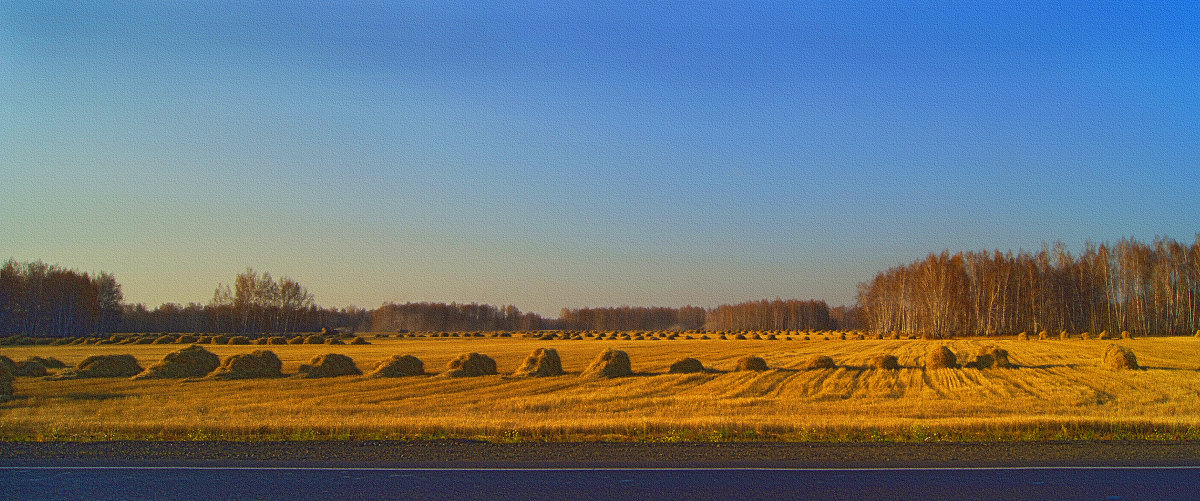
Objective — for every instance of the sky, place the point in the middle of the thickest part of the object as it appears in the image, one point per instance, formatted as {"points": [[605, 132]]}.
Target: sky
{"points": [[569, 154]]}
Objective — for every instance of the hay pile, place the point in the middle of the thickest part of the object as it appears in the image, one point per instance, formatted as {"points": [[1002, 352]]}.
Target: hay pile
{"points": [[1024, 336], [940, 358], [296, 340], [277, 340], [1043, 335], [314, 339], [6, 382], [542, 362], [187, 339], [885, 362], [359, 340], [819, 362], [329, 365], [1064, 335], [1118, 358], [256, 364], [399, 366], [989, 357], [164, 339], [30, 368], [239, 340], [751, 363], [193, 361], [104, 366], [221, 339], [686, 365], [8, 365], [1126, 335], [611, 363], [471, 365]]}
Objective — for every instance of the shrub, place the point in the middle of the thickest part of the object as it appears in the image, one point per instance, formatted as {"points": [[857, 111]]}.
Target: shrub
{"points": [[940, 358], [256, 364], [399, 366], [885, 362], [103, 366], [193, 361], [1118, 358], [471, 365], [329, 365], [819, 362], [686, 365], [609, 364], [751, 363], [542, 362]]}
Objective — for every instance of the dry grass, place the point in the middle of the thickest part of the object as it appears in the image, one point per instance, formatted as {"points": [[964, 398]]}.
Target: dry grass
{"points": [[1059, 390]]}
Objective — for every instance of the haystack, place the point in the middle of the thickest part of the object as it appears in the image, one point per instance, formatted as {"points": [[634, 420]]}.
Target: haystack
{"points": [[30, 368], [542, 362], [611, 363], [751, 363], [1043, 335], [686, 365], [256, 364], [104, 366], [239, 340], [277, 340], [6, 382], [1117, 358], [314, 339], [164, 339], [334, 340], [187, 339], [1102, 335], [1064, 335], [296, 340], [49, 362], [1126, 335], [193, 361], [359, 340], [989, 357], [329, 365], [940, 358], [399, 366], [1024, 336], [885, 362], [819, 362], [471, 365], [221, 339], [8, 365]]}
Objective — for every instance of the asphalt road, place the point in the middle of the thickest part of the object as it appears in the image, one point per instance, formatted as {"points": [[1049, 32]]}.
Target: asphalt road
{"points": [[473, 470]]}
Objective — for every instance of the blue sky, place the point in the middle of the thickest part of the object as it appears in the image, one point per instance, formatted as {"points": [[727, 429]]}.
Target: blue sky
{"points": [[569, 154]]}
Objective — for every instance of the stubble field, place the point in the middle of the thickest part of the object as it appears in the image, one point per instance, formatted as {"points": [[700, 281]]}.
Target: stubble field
{"points": [[1058, 391]]}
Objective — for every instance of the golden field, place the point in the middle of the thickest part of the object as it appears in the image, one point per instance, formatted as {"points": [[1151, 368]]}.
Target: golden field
{"points": [[1059, 391]]}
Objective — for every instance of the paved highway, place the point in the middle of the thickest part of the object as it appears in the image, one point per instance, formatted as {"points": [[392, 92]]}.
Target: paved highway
{"points": [[473, 470]]}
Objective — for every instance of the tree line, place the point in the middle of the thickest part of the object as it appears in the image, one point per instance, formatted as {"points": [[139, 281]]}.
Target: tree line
{"points": [[779, 314], [38, 299], [1130, 286], [452, 317]]}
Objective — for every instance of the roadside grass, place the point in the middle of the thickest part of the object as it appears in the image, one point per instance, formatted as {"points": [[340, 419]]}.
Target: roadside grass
{"points": [[1059, 392]]}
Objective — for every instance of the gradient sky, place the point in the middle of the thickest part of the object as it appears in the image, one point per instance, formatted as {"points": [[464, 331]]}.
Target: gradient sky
{"points": [[571, 154]]}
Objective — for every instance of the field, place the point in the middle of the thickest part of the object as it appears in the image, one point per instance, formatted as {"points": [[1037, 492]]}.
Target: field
{"points": [[1059, 391]]}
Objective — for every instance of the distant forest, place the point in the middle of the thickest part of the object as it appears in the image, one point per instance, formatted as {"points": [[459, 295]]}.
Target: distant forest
{"points": [[1131, 286]]}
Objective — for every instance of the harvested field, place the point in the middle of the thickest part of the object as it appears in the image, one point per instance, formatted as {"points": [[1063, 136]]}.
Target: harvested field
{"points": [[1060, 390]]}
